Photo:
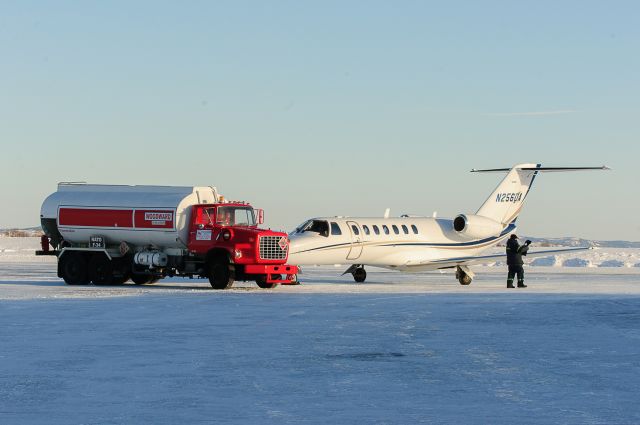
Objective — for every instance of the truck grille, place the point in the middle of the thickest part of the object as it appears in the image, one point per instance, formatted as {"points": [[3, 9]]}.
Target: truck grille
{"points": [[271, 247]]}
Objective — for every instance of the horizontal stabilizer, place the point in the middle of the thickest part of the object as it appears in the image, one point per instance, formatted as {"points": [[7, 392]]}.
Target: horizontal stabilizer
{"points": [[542, 169]]}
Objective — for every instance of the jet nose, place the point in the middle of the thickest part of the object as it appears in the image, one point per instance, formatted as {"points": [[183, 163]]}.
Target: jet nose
{"points": [[294, 243]]}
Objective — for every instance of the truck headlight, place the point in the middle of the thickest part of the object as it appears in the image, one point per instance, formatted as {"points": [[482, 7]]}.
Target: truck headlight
{"points": [[237, 253]]}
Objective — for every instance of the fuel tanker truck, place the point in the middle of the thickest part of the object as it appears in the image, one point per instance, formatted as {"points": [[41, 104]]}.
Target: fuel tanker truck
{"points": [[107, 234]]}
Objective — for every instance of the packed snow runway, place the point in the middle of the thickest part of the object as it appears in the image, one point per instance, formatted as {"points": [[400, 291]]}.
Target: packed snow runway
{"points": [[400, 349]]}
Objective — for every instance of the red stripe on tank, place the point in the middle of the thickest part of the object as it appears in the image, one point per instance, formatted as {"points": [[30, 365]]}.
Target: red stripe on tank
{"points": [[95, 217]]}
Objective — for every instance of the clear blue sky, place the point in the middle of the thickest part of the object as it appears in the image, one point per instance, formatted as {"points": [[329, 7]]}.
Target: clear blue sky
{"points": [[326, 108]]}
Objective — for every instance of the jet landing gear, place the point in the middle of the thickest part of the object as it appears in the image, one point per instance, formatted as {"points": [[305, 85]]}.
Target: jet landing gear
{"points": [[464, 275], [358, 272]]}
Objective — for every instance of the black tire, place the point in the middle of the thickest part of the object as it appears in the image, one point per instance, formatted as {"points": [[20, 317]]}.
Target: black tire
{"points": [[262, 281], [464, 279], [73, 268], [100, 269], [120, 280], [121, 271], [141, 278], [360, 275], [221, 274]]}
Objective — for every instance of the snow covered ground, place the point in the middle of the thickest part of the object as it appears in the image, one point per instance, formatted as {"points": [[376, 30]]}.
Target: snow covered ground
{"points": [[399, 349]]}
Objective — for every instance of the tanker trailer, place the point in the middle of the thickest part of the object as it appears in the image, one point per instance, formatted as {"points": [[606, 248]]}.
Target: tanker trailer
{"points": [[106, 235]]}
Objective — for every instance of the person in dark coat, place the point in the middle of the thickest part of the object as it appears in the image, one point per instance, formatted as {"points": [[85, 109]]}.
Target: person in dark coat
{"points": [[515, 251]]}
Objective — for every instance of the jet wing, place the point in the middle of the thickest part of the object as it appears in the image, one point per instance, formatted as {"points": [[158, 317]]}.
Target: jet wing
{"points": [[460, 261]]}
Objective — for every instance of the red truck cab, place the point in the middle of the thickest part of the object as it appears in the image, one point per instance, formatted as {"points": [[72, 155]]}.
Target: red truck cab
{"points": [[227, 237]]}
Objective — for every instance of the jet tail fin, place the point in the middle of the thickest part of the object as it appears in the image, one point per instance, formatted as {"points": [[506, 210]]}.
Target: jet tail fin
{"points": [[506, 201]]}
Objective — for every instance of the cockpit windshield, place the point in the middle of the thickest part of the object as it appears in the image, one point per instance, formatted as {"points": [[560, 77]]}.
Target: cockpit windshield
{"points": [[235, 216], [316, 226]]}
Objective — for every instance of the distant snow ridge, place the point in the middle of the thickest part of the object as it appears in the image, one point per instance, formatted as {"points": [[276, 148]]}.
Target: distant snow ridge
{"points": [[551, 261], [612, 263], [577, 262]]}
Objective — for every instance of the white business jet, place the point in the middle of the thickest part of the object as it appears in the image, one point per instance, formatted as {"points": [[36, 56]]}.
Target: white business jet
{"points": [[415, 244]]}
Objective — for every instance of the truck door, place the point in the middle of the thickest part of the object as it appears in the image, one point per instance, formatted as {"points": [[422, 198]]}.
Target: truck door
{"points": [[356, 240], [201, 233]]}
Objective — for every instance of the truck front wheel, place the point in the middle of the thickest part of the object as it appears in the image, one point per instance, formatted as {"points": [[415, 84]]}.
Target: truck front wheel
{"points": [[221, 274], [262, 281], [73, 268]]}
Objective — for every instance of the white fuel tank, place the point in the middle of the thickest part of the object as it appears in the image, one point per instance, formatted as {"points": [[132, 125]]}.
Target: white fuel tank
{"points": [[138, 215]]}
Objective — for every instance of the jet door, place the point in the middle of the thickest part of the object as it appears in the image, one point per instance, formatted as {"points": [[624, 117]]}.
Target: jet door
{"points": [[356, 240]]}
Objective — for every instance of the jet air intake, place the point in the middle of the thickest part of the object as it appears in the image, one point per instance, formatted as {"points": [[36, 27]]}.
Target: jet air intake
{"points": [[476, 226]]}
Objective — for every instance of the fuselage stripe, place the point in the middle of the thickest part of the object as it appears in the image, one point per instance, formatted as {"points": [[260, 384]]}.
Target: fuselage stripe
{"points": [[458, 245]]}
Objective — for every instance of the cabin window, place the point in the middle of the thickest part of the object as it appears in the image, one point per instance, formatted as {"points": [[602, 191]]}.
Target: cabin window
{"points": [[356, 231], [414, 228], [300, 229], [335, 229], [386, 229], [376, 230], [405, 229], [204, 216], [235, 216], [316, 226], [395, 229], [366, 229]]}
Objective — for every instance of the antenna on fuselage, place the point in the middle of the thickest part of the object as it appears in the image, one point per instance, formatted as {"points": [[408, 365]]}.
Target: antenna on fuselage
{"points": [[387, 212]]}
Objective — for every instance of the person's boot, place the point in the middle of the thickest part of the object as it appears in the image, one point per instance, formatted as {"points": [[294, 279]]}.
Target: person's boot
{"points": [[521, 285], [510, 284]]}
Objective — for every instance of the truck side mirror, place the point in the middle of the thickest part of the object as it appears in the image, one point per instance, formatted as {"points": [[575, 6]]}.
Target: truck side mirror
{"points": [[260, 216]]}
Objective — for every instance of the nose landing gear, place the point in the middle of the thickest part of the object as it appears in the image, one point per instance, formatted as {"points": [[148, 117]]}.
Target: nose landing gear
{"points": [[358, 272]]}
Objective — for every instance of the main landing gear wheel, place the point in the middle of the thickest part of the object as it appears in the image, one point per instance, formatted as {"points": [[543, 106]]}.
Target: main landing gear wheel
{"points": [[100, 270], [359, 275], [73, 269], [262, 281], [221, 274], [463, 277]]}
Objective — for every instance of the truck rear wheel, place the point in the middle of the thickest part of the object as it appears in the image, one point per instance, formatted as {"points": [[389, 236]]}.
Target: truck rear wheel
{"points": [[100, 270], [121, 271], [73, 268], [262, 281], [120, 279], [141, 278], [221, 274]]}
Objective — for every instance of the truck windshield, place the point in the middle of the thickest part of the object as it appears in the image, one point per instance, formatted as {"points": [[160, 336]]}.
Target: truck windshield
{"points": [[235, 216]]}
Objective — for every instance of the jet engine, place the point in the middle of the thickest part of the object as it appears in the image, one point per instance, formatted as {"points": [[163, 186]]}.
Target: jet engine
{"points": [[476, 226]]}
